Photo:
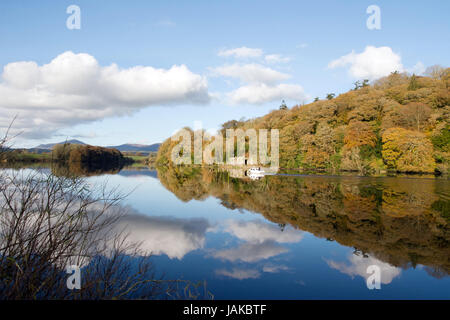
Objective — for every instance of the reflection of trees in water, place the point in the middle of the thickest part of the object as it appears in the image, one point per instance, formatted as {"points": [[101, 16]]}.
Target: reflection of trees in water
{"points": [[401, 221], [81, 169]]}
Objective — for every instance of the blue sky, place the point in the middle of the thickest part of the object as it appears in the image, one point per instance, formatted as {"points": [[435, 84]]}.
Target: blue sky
{"points": [[295, 42]]}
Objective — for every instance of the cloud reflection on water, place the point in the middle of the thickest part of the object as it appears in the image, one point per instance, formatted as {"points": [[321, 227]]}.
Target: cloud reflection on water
{"points": [[358, 267], [174, 237]]}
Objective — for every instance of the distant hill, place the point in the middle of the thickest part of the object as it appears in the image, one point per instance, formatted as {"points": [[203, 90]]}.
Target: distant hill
{"points": [[137, 147], [50, 146], [128, 147], [37, 150]]}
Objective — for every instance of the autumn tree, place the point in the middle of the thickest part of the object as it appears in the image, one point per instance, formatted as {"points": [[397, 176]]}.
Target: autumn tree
{"points": [[417, 115], [407, 151], [319, 148], [359, 134], [359, 146], [435, 71]]}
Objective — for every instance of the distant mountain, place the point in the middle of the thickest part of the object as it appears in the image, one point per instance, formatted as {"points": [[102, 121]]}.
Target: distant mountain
{"points": [[50, 146], [123, 147], [137, 147]]}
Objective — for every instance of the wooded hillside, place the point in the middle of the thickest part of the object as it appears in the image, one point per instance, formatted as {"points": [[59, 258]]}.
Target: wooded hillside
{"points": [[92, 156], [399, 123]]}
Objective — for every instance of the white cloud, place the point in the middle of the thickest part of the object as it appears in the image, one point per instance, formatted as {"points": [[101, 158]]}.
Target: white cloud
{"points": [[418, 69], [302, 45], [174, 237], [161, 235], [74, 88], [251, 252], [258, 232], [370, 64], [259, 84], [276, 58], [251, 73], [240, 274], [261, 93], [358, 267], [242, 52], [261, 241], [273, 268]]}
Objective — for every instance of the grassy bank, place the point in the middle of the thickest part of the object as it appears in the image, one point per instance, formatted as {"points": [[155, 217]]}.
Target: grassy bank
{"points": [[26, 157]]}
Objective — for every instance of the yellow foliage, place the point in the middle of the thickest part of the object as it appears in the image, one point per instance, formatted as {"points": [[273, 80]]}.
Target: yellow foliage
{"points": [[407, 151], [359, 134]]}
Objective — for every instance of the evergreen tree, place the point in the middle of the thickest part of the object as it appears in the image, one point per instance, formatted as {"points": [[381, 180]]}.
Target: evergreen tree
{"points": [[330, 96], [413, 85]]}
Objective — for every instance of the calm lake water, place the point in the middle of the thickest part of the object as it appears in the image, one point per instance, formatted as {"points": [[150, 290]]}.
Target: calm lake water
{"points": [[293, 237]]}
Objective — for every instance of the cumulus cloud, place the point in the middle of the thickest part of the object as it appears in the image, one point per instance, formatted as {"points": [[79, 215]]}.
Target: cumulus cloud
{"points": [[358, 267], [251, 252], [259, 84], [250, 273], [259, 232], [242, 52], [251, 73], [240, 274], [418, 69], [261, 93], [174, 237], [370, 64], [261, 241], [162, 235], [74, 89], [273, 268], [276, 58]]}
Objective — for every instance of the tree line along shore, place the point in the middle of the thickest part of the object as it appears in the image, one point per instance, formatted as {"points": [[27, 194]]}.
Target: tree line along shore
{"points": [[94, 156], [399, 123]]}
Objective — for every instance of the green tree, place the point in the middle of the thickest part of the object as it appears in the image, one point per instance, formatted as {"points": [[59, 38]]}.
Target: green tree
{"points": [[283, 106], [330, 96], [413, 85], [442, 140]]}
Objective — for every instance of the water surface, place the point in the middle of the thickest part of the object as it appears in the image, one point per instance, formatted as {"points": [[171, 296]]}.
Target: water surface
{"points": [[293, 237]]}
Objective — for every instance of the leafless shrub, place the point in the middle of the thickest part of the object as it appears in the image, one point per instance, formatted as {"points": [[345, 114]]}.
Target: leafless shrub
{"points": [[49, 222]]}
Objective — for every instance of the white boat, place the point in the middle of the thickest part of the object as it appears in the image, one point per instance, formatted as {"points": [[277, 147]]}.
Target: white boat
{"points": [[255, 173]]}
